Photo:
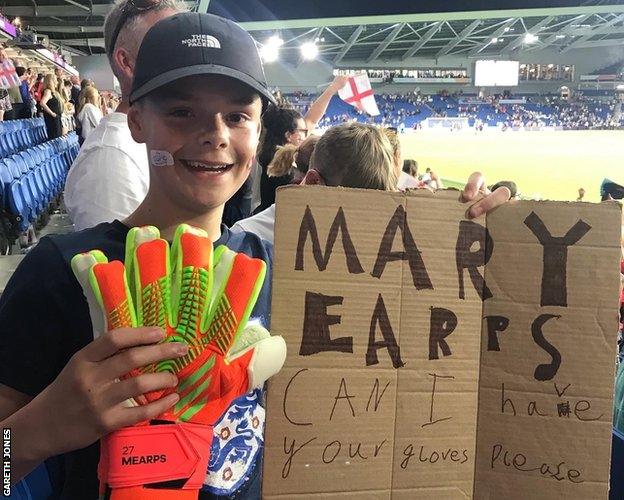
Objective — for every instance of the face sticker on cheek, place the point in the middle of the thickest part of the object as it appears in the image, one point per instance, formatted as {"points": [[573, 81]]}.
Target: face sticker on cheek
{"points": [[160, 158]]}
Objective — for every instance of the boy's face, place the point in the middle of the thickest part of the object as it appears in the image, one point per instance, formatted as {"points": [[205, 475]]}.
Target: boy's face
{"points": [[211, 126]]}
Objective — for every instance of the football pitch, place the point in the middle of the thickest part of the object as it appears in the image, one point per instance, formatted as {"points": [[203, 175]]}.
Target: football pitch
{"points": [[545, 165]]}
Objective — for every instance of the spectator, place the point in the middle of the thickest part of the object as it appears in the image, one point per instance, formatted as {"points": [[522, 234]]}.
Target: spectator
{"points": [[262, 223], [5, 101], [349, 155], [24, 110], [581, 194], [405, 181], [47, 353], [410, 167], [110, 177], [287, 126], [280, 126], [37, 91], [52, 106], [15, 96], [361, 156], [75, 90], [89, 115], [293, 160], [86, 83]]}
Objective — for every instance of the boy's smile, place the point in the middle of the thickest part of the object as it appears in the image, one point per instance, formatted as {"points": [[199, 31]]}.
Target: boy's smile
{"points": [[213, 168]]}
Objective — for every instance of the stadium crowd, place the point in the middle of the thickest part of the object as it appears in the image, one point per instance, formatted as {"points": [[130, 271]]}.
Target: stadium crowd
{"points": [[410, 110], [65, 102]]}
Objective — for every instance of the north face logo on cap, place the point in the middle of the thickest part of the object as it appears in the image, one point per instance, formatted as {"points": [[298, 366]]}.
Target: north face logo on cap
{"points": [[202, 41]]}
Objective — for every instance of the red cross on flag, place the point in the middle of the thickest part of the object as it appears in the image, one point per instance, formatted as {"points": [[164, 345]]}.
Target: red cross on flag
{"points": [[8, 76], [358, 93]]}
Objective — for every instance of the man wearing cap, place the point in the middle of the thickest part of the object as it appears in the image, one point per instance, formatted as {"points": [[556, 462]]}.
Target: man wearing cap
{"points": [[110, 177], [196, 101]]}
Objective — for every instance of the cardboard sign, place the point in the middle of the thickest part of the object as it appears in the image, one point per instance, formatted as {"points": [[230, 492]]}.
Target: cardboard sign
{"points": [[431, 356]]}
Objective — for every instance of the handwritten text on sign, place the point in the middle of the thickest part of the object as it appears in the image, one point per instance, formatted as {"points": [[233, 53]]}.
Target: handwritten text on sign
{"points": [[430, 355]]}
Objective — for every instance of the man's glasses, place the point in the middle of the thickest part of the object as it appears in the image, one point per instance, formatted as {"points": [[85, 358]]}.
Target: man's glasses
{"points": [[130, 10], [304, 131]]}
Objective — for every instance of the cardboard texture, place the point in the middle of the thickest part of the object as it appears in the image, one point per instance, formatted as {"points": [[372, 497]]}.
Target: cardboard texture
{"points": [[417, 370]]}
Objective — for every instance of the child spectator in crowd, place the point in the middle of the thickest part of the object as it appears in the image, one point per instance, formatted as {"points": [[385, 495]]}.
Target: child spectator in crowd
{"points": [[58, 389], [357, 155]]}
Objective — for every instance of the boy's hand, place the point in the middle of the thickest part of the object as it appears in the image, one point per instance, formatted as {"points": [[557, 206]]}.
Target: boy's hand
{"points": [[476, 190], [85, 402], [198, 296]]}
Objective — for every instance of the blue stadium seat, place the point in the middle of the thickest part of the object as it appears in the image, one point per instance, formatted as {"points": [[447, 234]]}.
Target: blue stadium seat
{"points": [[27, 159], [6, 177], [18, 206], [45, 195], [13, 167], [38, 192], [5, 146], [21, 164]]}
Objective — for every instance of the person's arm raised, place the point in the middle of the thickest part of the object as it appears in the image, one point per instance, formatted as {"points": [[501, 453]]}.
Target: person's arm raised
{"points": [[318, 107], [86, 400]]}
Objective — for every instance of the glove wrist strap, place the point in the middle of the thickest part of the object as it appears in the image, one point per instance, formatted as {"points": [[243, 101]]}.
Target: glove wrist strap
{"points": [[140, 455]]}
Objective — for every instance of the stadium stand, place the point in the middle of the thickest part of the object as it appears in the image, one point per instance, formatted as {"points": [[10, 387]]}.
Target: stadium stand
{"points": [[32, 173], [586, 112]]}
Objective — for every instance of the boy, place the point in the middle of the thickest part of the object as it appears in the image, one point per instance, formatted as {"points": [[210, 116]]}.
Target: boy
{"points": [[197, 97]]}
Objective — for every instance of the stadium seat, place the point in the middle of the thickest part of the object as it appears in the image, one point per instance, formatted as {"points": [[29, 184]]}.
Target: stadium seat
{"points": [[18, 205], [6, 177], [13, 167]]}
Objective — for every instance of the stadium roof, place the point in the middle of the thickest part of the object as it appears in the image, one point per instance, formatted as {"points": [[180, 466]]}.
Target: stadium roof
{"points": [[374, 32]]}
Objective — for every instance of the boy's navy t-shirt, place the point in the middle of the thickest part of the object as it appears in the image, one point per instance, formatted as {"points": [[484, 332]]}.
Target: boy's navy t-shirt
{"points": [[44, 320]]}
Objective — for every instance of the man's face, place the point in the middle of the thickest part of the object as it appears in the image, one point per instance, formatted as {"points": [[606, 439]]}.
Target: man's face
{"points": [[211, 126], [129, 40]]}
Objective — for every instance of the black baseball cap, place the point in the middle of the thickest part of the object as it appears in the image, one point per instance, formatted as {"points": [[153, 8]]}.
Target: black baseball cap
{"points": [[190, 44]]}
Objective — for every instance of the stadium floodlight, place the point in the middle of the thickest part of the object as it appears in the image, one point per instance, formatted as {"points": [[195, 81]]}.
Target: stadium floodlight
{"points": [[309, 50], [275, 40], [269, 53], [270, 50], [530, 38]]}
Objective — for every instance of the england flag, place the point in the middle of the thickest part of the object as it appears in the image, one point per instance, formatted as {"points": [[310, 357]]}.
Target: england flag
{"points": [[358, 93], [8, 76]]}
